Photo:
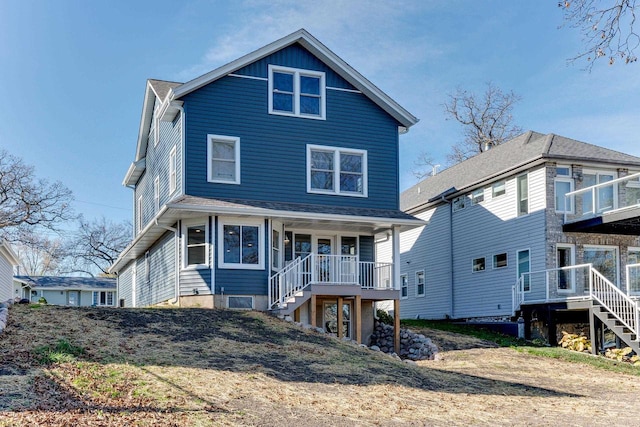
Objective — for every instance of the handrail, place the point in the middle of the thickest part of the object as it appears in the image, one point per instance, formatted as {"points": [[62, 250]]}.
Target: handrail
{"points": [[603, 184], [615, 301], [280, 289]]}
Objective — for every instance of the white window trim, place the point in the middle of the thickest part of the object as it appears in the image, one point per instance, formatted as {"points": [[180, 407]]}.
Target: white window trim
{"points": [[518, 266], [493, 261], [597, 173], [240, 296], [493, 189], [223, 138], [241, 222], [173, 169], [473, 196], [568, 179], [147, 267], [156, 194], [296, 92], [459, 203], [185, 240], [424, 284], [518, 195], [406, 277], [485, 264], [156, 127], [139, 208], [337, 151], [616, 249], [106, 298], [572, 249]]}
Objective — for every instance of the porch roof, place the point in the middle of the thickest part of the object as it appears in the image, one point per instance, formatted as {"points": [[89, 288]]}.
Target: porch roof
{"points": [[295, 215]]}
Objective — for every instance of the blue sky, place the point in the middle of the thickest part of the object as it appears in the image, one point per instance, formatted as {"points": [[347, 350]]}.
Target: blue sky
{"points": [[72, 73]]}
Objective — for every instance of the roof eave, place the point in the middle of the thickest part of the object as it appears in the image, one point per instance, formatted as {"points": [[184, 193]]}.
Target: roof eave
{"points": [[301, 36]]}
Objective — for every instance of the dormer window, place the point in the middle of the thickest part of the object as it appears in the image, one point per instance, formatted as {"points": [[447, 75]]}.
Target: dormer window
{"points": [[294, 92]]}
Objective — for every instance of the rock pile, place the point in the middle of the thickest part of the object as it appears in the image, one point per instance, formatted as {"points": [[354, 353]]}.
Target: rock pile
{"points": [[4, 314], [412, 346]]}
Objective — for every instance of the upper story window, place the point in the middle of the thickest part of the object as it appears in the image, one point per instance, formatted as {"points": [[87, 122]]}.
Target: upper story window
{"points": [[563, 184], [500, 260], [139, 216], [156, 194], [523, 194], [420, 283], [404, 286], [173, 162], [478, 264], [332, 170], [223, 159], [498, 189], [460, 203], [477, 196], [295, 92], [605, 199]]}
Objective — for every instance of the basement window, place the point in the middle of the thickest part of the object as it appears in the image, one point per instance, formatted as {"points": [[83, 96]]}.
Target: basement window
{"points": [[240, 302]]}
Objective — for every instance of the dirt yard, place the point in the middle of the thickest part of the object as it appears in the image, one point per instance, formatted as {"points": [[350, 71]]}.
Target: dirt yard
{"points": [[108, 367]]}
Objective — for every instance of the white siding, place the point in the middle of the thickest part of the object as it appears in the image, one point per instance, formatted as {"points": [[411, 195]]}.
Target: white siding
{"points": [[6, 279]]}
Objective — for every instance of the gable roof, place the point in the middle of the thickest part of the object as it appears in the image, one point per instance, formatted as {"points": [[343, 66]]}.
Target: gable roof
{"points": [[169, 93], [8, 254], [314, 46], [69, 283], [525, 150]]}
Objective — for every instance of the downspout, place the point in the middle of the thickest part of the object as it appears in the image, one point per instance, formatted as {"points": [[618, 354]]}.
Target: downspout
{"points": [[451, 274]]}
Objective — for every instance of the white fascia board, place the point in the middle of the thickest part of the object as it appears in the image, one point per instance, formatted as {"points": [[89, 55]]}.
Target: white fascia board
{"points": [[314, 46], [145, 121], [8, 253], [296, 215], [134, 172]]}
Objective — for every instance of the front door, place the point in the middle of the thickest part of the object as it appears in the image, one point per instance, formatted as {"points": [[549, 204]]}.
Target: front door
{"points": [[324, 250], [74, 297]]}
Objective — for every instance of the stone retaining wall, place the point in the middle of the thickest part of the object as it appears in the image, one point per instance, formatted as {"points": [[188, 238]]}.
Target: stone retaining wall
{"points": [[412, 346], [4, 314]]}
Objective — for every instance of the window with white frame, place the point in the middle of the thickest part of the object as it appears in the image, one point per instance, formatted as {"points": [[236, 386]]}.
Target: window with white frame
{"points": [[296, 92], [500, 260], [156, 194], [524, 266], [173, 159], [604, 259], [333, 170], [147, 267], [459, 203], [605, 195], [404, 288], [498, 189], [477, 196], [275, 249], [522, 183], [420, 283], [103, 298], [563, 184], [139, 213], [240, 244], [478, 264], [196, 235], [223, 159], [565, 257]]}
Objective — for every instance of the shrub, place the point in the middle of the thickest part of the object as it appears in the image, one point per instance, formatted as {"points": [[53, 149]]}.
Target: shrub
{"points": [[384, 317], [63, 351], [42, 300]]}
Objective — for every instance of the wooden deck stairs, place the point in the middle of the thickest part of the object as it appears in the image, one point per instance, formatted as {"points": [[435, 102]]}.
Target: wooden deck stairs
{"points": [[611, 321]]}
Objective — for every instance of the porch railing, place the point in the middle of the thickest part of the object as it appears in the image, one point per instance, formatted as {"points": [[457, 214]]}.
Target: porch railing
{"points": [[580, 282], [327, 270], [615, 301], [592, 201], [633, 280]]}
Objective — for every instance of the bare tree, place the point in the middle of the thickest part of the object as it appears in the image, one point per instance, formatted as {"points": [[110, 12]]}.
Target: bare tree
{"points": [[486, 120], [26, 201], [607, 29], [97, 244], [40, 255]]}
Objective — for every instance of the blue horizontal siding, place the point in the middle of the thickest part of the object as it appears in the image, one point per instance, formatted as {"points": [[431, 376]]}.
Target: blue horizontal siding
{"points": [[273, 148], [294, 56]]}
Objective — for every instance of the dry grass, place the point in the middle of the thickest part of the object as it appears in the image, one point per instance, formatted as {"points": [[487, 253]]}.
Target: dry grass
{"points": [[215, 367]]}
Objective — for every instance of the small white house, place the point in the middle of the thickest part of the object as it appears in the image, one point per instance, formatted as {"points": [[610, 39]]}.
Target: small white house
{"points": [[71, 291], [8, 261]]}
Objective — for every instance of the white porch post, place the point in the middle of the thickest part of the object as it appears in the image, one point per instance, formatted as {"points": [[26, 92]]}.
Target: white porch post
{"points": [[395, 242]]}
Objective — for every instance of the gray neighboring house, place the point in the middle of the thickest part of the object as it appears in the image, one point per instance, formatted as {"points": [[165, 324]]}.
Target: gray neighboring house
{"points": [[71, 291], [505, 213], [8, 262]]}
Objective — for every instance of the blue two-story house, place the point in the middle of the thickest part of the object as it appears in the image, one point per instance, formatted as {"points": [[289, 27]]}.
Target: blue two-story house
{"points": [[266, 184]]}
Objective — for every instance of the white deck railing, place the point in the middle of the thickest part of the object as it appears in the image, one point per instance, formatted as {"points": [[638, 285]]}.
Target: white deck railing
{"points": [[327, 270], [616, 302], [580, 282], [589, 202]]}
